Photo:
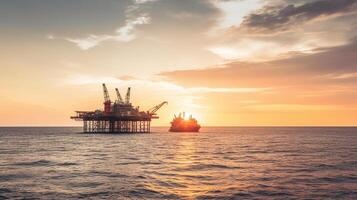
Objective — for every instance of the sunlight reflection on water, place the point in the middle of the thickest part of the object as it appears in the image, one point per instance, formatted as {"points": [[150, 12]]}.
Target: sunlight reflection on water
{"points": [[218, 163]]}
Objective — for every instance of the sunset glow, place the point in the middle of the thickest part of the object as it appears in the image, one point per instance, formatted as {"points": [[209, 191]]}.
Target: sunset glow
{"points": [[178, 99], [238, 62]]}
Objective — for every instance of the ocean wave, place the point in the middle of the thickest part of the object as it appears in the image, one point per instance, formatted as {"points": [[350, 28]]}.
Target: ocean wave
{"points": [[35, 163], [89, 184], [203, 166], [67, 164], [235, 163], [107, 174], [12, 177], [145, 193], [5, 190]]}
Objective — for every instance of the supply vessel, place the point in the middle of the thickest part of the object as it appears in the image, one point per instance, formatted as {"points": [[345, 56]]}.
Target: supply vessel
{"points": [[180, 124]]}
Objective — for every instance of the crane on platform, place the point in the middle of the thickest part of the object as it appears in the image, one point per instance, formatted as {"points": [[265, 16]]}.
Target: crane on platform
{"points": [[107, 102], [127, 97], [153, 110], [106, 93], [119, 99]]}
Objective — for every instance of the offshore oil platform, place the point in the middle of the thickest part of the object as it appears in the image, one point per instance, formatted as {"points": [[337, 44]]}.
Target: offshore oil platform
{"points": [[119, 116]]}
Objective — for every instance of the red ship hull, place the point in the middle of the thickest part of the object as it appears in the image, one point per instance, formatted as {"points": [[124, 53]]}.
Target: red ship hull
{"points": [[185, 129]]}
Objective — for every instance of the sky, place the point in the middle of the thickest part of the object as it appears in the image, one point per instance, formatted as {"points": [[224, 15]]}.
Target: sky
{"points": [[227, 62]]}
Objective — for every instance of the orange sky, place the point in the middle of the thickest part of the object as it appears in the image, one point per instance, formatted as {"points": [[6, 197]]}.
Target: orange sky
{"points": [[236, 62]]}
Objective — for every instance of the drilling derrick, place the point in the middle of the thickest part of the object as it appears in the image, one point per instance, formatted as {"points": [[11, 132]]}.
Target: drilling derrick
{"points": [[117, 117]]}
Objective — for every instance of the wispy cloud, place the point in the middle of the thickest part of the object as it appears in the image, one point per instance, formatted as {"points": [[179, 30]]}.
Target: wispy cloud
{"points": [[289, 107], [346, 76], [143, 1], [226, 90], [247, 49], [234, 11], [123, 34], [282, 17], [164, 85]]}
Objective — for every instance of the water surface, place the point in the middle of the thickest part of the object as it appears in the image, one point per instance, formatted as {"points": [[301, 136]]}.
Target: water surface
{"points": [[218, 163]]}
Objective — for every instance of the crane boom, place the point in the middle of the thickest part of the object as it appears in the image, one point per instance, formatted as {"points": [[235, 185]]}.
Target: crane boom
{"points": [[106, 94], [127, 97], [152, 111], [120, 100]]}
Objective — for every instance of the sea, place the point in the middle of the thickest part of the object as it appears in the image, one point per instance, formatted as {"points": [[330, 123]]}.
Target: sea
{"points": [[217, 163]]}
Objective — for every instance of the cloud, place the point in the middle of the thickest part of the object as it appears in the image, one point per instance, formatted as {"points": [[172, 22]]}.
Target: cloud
{"points": [[289, 107], [331, 69], [226, 90], [256, 50], [274, 33], [226, 52], [126, 33], [127, 78], [345, 76], [143, 1], [82, 79], [321, 82], [123, 34], [234, 11], [283, 17], [88, 42]]}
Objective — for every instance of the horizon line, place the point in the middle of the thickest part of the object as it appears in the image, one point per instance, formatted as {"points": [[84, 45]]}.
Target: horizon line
{"points": [[218, 126]]}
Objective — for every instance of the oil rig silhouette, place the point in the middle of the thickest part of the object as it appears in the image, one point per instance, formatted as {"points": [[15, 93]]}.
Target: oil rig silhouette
{"points": [[117, 117]]}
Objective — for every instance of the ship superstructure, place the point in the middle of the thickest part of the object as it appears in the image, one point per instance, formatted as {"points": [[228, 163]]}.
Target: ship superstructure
{"points": [[180, 124]]}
